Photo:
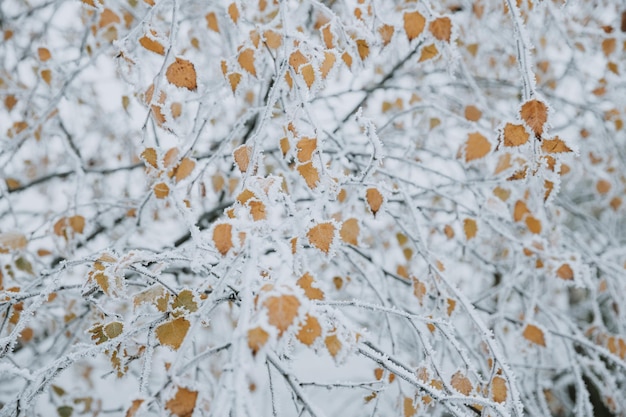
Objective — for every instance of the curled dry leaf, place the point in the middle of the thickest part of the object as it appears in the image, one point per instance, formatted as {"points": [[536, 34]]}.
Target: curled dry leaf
{"points": [[321, 236], [282, 311], [172, 333], [414, 24], [161, 190], [152, 45], [182, 73], [183, 403]]}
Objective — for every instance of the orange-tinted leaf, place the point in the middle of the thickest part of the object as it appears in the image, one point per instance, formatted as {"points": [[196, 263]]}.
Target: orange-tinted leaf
{"points": [[46, 75], [473, 113], [363, 48], [470, 227], [476, 146], [441, 28], [514, 135], [308, 73], [44, 54], [565, 272], [555, 145], [182, 73], [414, 24], [233, 12], [242, 157], [257, 210], [150, 156], [77, 223], [282, 311], [321, 236], [349, 232], [211, 21], [310, 331], [223, 237], [152, 45], [305, 282], [498, 389], [534, 334], [234, 79], [328, 37], [386, 33], [10, 241], [603, 186], [408, 409], [257, 338], [161, 190], [297, 59], [172, 333], [132, 410], [428, 52], [333, 344], [310, 174], [183, 403], [108, 17], [306, 146], [520, 210], [246, 60], [533, 224], [374, 199], [328, 63], [273, 39], [535, 114], [461, 383]]}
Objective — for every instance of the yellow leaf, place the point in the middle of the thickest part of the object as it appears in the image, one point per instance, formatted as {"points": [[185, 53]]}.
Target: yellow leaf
{"points": [[514, 135], [409, 409], [308, 73], [182, 73], [281, 311], [211, 21], [150, 156], [77, 223], [321, 236], [108, 17], [246, 60], [273, 39], [327, 65], [533, 224], [461, 383], [451, 305], [347, 59], [185, 299], [183, 403], [419, 289], [535, 114], [414, 24], [257, 210], [386, 33], [233, 12], [470, 227], [47, 76], [333, 344], [374, 199], [472, 113], [476, 147], [44, 54], [498, 389], [152, 45], [306, 147], [328, 37], [363, 48], [428, 52], [161, 190], [349, 232], [608, 46], [305, 282], [520, 210], [172, 333], [310, 174], [296, 59], [310, 331], [257, 338], [555, 145], [603, 186], [233, 79], [534, 334], [170, 157], [183, 169], [242, 157], [441, 28], [223, 237], [132, 410], [565, 272]]}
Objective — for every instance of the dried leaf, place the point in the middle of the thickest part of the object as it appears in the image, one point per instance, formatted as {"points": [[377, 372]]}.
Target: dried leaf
{"points": [[514, 135], [333, 344], [328, 37], [108, 17], [172, 333], [44, 54], [535, 114], [242, 156], [184, 169], [386, 33], [246, 60], [534, 334], [310, 331], [211, 21], [520, 210], [428, 52], [77, 223], [297, 59], [233, 12], [150, 156], [46, 75], [498, 389], [306, 147], [603, 186], [257, 338], [152, 45], [161, 190], [182, 73], [308, 73], [321, 236], [132, 410], [183, 403], [565, 272], [414, 24], [476, 146], [533, 224], [273, 39], [223, 237], [328, 63], [555, 145], [349, 232], [113, 329], [473, 113], [374, 199], [408, 408], [305, 282], [461, 383], [282, 311], [441, 28], [234, 79], [257, 210], [310, 174], [470, 227], [185, 300], [363, 48], [11, 241]]}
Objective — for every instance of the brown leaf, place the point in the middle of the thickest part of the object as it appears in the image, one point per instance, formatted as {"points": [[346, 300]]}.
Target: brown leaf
{"points": [[498, 389], [555, 145], [386, 33], [257, 210], [223, 237], [305, 282], [310, 331], [470, 227], [150, 156], [242, 157], [273, 39], [172, 333], [603, 186], [565, 272], [476, 146], [161, 190], [308, 73], [182, 73], [328, 63], [514, 135], [374, 199], [281, 311], [310, 174], [535, 114], [414, 24], [132, 410], [461, 383], [184, 169], [211, 21], [349, 232], [77, 223], [183, 403], [520, 210], [409, 409], [473, 113], [321, 236], [44, 54], [233, 12], [246, 60], [152, 45], [533, 224], [257, 338], [333, 344], [363, 48], [234, 79], [297, 59], [441, 28], [306, 147], [428, 52], [534, 334], [170, 157]]}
